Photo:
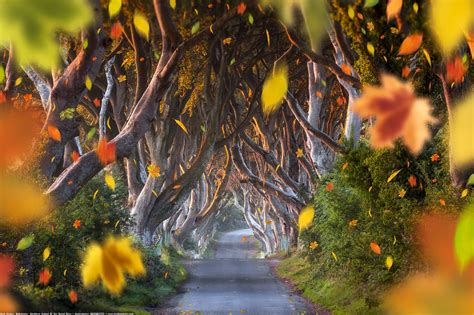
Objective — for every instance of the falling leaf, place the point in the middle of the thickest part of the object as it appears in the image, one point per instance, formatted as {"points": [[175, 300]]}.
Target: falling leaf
{"points": [[346, 69], [274, 89], [393, 175], [241, 8], [410, 44], [106, 151], [88, 83], [375, 248], [353, 223], [251, 19], [72, 296], [173, 4], [306, 217], [435, 157], [427, 56], [244, 238], [389, 262], [412, 181], [110, 181], [115, 33], [195, 28], [140, 22], [44, 276], [405, 72], [313, 245], [77, 224], [329, 186], [393, 8], [54, 133], [25, 242], [7, 267], [415, 7], [351, 12], [371, 48], [455, 70], [370, 3], [114, 7], [462, 129], [464, 237], [182, 126], [442, 202], [399, 114], [227, 41], [449, 21], [154, 170], [108, 262], [46, 253], [464, 193]]}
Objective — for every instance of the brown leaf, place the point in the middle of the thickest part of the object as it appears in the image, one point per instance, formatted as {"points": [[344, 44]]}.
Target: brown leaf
{"points": [[399, 114]]}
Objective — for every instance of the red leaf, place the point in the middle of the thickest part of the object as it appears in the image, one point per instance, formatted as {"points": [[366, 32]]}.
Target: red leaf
{"points": [[7, 266], [116, 30], [73, 296], [75, 156], [329, 186], [405, 72], [412, 181], [435, 157], [241, 8], [105, 151], [44, 276], [96, 102], [410, 44], [346, 69], [77, 224], [455, 70], [375, 248]]}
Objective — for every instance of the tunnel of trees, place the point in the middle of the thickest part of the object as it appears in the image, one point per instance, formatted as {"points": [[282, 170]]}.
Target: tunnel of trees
{"points": [[164, 101]]}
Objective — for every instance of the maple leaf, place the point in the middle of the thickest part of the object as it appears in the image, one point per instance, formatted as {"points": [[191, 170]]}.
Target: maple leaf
{"points": [[412, 181], [313, 245], [241, 8], [154, 170], [106, 151], [435, 157], [299, 153], [455, 70], [399, 114], [76, 224], [44, 276]]}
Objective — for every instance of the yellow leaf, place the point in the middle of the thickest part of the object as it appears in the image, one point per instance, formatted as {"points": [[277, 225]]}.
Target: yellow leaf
{"points": [[122, 78], [389, 262], [306, 217], [88, 83], [351, 12], [415, 7], [371, 48], [182, 126], [462, 131], [114, 7], [427, 56], [392, 176], [268, 37], [173, 4], [449, 20], [108, 123], [46, 253], [110, 181], [464, 193], [274, 89], [334, 256], [141, 24], [18, 81], [299, 153], [153, 170], [402, 193], [95, 194]]}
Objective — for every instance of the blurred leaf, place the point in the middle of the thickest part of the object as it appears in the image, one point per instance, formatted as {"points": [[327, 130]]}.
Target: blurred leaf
{"points": [[25, 242], [173, 4], [31, 27], [306, 218], [371, 48], [91, 133], [195, 27], [393, 8], [274, 89], [462, 131], [370, 3], [410, 44], [464, 237], [110, 181], [141, 24], [114, 7]]}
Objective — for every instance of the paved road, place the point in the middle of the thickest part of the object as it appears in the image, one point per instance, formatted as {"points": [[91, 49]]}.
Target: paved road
{"points": [[233, 283]]}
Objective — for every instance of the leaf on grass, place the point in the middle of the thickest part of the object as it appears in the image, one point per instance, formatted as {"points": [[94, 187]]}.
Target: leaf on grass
{"points": [[375, 248], [77, 223], [410, 44], [329, 186], [464, 193], [306, 218], [46, 253], [274, 89], [25, 242], [195, 28], [140, 22], [44, 276], [399, 114], [110, 181], [393, 175], [389, 262], [371, 48]]}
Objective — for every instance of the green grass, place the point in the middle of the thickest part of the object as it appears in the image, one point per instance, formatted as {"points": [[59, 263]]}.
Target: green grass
{"points": [[337, 296]]}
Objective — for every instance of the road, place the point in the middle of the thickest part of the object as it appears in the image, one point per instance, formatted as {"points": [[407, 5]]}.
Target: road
{"points": [[233, 283]]}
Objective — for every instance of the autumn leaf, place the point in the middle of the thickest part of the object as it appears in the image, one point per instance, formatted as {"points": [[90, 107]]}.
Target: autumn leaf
{"points": [[44, 276], [7, 267], [72, 296], [173, 4], [464, 237], [7, 303], [313, 245], [195, 28], [76, 224], [114, 7], [88, 83], [402, 193], [105, 151], [109, 262], [393, 175], [306, 218], [241, 8], [412, 181], [464, 193], [345, 165], [46, 253], [329, 186], [393, 8], [435, 157], [371, 48], [75, 156], [54, 133], [399, 114], [410, 44], [455, 70], [115, 33], [462, 131], [182, 126], [274, 89], [299, 153], [25, 242], [110, 181], [375, 248], [140, 22], [353, 223], [154, 170], [389, 262]]}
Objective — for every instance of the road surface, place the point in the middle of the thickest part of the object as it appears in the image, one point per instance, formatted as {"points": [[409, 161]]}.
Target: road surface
{"points": [[233, 283]]}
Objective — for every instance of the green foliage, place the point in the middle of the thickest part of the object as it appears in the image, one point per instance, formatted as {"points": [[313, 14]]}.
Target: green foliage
{"points": [[30, 26], [385, 215]]}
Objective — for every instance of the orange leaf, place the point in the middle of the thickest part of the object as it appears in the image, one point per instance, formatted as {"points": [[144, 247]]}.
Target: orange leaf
{"points": [[375, 248], [412, 181], [410, 44], [241, 8], [329, 186], [393, 8], [405, 72], [54, 133], [346, 69], [7, 266], [75, 156], [399, 114], [76, 224], [73, 296], [106, 151], [96, 102], [442, 202], [116, 30], [435, 157], [44, 276], [455, 70]]}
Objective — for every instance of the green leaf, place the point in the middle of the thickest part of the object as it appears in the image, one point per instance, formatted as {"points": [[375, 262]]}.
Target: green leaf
{"points": [[464, 237], [29, 24], [25, 242], [470, 181], [370, 3], [195, 27], [251, 20], [90, 134], [2, 74]]}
